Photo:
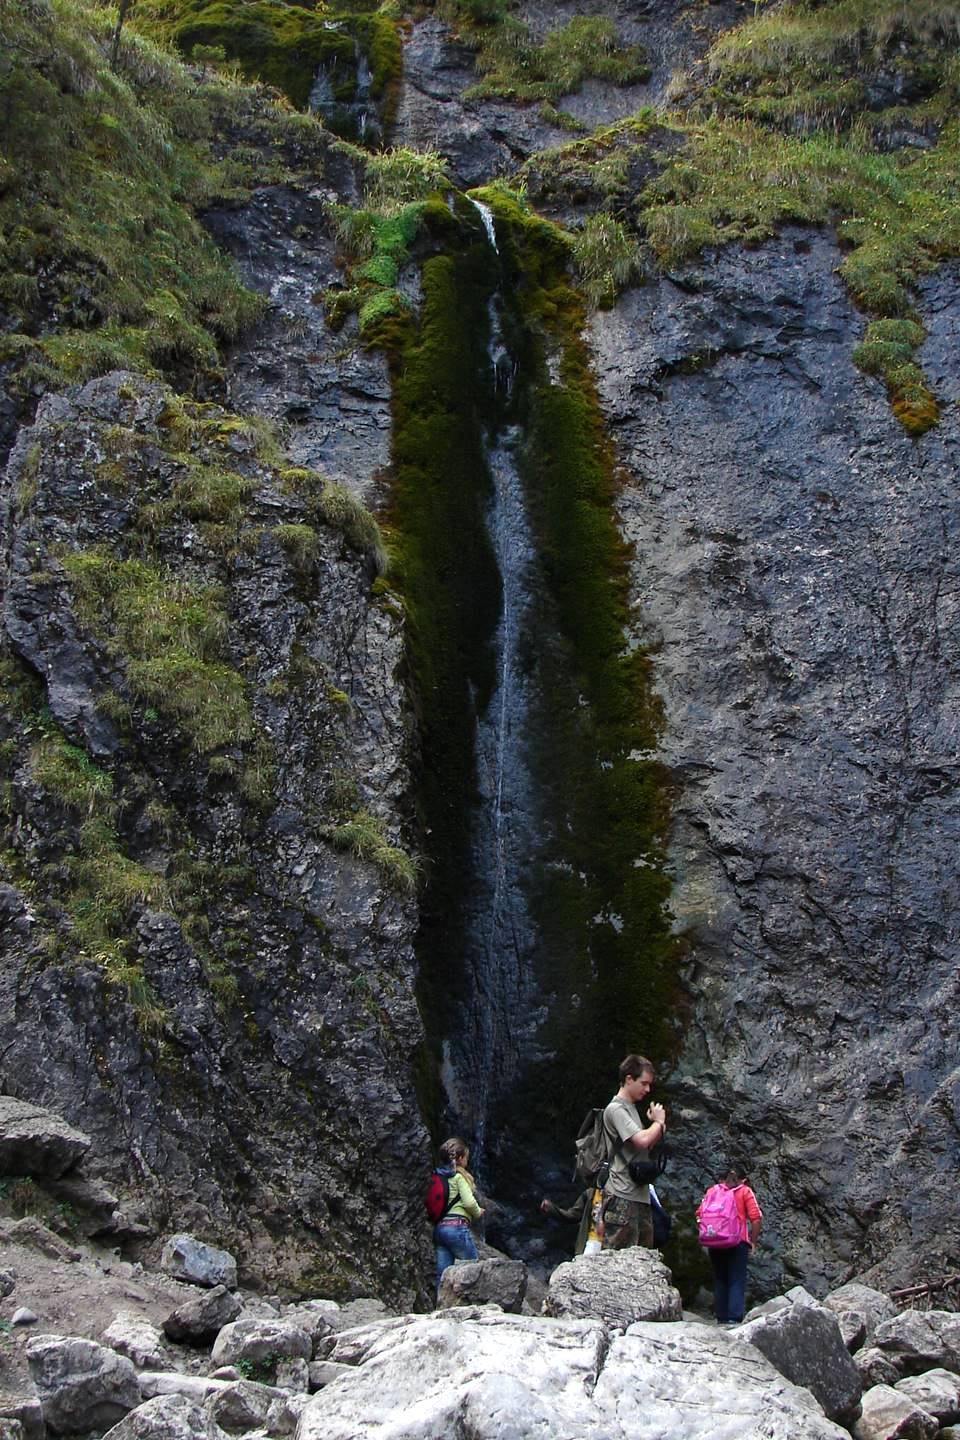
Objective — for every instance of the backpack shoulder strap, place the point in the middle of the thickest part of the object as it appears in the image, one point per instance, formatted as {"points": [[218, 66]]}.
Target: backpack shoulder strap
{"points": [[613, 1137], [453, 1193]]}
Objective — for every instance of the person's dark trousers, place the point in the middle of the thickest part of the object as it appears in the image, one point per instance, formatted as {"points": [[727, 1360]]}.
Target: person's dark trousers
{"points": [[729, 1281]]}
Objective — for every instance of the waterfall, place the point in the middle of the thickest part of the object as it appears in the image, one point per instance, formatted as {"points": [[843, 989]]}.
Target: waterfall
{"points": [[355, 118], [486, 215], [500, 933], [321, 92]]}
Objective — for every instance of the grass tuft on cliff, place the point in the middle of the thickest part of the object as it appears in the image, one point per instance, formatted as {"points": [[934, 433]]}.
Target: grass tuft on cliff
{"points": [[842, 115], [814, 66], [376, 240], [363, 836], [515, 66], [102, 262], [171, 637], [102, 885]]}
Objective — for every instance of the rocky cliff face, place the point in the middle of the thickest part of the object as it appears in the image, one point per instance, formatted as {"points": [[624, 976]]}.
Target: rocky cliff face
{"points": [[204, 728], [208, 914], [796, 571]]}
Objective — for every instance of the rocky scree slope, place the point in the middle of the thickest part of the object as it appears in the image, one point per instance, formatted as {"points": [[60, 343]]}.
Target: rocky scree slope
{"points": [[138, 1354]]}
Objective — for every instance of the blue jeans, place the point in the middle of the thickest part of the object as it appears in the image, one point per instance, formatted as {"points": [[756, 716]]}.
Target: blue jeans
{"points": [[453, 1241], [729, 1281]]}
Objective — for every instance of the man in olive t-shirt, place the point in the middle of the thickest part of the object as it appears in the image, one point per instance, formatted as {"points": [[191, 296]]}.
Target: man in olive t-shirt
{"points": [[626, 1205]]}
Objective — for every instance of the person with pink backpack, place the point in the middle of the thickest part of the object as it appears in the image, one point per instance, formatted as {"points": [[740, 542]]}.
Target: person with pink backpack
{"points": [[729, 1221]]}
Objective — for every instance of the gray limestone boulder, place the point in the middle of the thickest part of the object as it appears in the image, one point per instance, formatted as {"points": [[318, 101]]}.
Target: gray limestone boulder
{"points": [[168, 1417], [489, 1375], [860, 1309], [292, 1373], [261, 1341], [82, 1386], [322, 1372], [95, 1205], [485, 1282], [314, 1318], [199, 1321], [690, 1380], [187, 1258], [197, 1388], [888, 1415], [283, 1417], [134, 1336], [854, 1328], [25, 1411], [34, 1141], [936, 1391], [875, 1367], [919, 1340], [242, 1405], [619, 1287], [355, 1312], [804, 1343]]}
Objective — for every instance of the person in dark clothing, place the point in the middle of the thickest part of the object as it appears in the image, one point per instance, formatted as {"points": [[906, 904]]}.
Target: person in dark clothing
{"points": [[585, 1209]]}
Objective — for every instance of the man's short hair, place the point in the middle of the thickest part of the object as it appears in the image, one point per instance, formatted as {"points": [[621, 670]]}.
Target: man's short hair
{"points": [[635, 1065]]}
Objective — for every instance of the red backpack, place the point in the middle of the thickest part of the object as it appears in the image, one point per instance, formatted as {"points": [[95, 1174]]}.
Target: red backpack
{"points": [[437, 1199], [719, 1226]]}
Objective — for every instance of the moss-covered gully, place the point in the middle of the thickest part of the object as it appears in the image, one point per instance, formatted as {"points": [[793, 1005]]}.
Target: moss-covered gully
{"points": [[596, 887]]}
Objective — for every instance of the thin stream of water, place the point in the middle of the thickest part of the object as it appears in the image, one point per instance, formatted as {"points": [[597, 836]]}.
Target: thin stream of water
{"points": [[499, 939]]}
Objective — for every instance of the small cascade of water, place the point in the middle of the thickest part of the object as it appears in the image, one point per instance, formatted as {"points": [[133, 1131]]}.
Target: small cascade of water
{"points": [[500, 1020], [486, 215], [356, 118], [361, 94], [321, 92]]}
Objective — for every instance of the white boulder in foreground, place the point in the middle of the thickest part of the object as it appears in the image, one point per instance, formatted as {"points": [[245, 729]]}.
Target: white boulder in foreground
{"points": [[168, 1417], [490, 1375], [619, 1287]]}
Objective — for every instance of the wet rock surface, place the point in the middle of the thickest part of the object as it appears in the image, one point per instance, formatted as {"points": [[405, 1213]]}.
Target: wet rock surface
{"points": [[796, 575]]}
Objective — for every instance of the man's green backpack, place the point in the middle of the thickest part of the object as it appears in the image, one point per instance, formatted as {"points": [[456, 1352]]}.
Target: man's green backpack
{"points": [[592, 1164], [596, 1149]]}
